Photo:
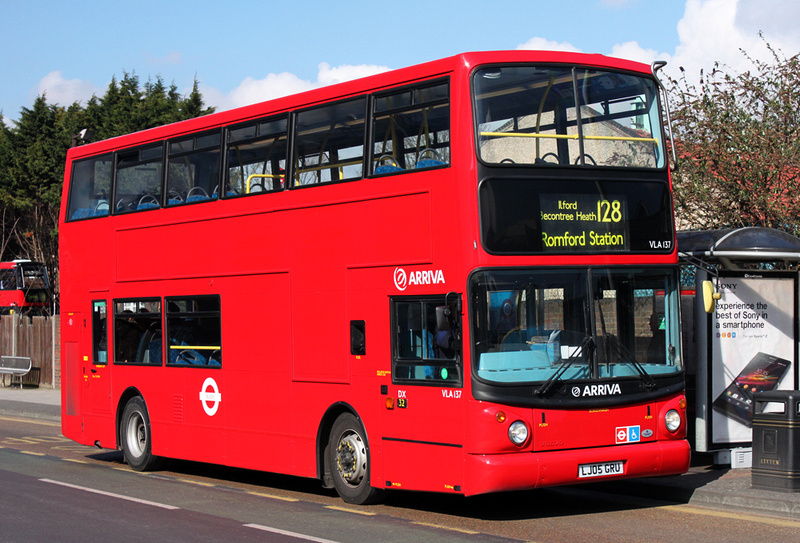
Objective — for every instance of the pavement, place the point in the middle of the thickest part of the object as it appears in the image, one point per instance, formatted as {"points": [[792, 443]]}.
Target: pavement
{"points": [[705, 485]]}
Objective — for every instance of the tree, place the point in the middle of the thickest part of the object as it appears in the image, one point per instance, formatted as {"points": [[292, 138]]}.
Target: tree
{"points": [[35, 172], [33, 154], [739, 147]]}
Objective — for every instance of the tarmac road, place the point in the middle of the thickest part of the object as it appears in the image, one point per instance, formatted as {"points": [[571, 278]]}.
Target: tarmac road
{"points": [[707, 502]]}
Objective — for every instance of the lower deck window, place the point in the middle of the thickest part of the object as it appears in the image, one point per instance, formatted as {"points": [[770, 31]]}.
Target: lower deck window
{"points": [[137, 331], [426, 346], [194, 331]]}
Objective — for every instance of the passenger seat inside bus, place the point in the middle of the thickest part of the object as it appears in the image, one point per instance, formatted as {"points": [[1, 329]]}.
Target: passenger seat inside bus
{"points": [[430, 162], [387, 164]]}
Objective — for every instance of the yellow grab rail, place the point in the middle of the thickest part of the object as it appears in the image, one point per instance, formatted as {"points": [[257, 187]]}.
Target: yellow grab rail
{"points": [[261, 175], [566, 136]]}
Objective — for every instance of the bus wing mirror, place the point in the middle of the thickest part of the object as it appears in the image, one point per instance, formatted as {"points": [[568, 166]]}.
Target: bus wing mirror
{"points": [[444, 314], [709, 296]]}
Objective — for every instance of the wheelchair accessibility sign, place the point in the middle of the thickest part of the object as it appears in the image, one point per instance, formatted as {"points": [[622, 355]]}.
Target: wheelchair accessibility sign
{"points": [[627, 434]]}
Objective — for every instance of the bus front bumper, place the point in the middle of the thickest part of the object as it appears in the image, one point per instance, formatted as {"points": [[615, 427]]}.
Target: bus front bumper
{"points": [[528, 470]]}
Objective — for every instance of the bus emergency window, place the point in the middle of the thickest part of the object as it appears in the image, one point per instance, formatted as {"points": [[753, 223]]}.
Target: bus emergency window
{"points": [[139, 179], [137, 332], [194, 168], [194, 331], [424, 348], [256, 157], [329, 143], [90, 188], [99, 332], [411, 129]]}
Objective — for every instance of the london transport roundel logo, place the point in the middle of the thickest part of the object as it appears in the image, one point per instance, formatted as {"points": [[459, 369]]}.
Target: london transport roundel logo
{"points": [[400, 278], [210, 399]]}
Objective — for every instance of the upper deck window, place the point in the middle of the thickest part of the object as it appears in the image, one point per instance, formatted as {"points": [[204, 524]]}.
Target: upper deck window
{"points": [[138, 182], [90, 188], [194, 167], [549, 115], [411, 129], [329, 143], [257, 157]]}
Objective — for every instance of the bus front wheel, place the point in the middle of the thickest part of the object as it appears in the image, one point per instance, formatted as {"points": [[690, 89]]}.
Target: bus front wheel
{"points": [[136, 438], [349, 461]]}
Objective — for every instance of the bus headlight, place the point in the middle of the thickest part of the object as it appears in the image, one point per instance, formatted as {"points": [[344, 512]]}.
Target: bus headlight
{"points": [[672, 420], [518, 432]]}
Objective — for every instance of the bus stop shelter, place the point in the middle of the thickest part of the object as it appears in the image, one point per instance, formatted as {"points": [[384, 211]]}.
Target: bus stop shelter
{"points": [[747, 343]]}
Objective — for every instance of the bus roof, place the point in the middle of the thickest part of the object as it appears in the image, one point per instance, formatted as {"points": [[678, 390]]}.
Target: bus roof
{"points": [[427, 70]]}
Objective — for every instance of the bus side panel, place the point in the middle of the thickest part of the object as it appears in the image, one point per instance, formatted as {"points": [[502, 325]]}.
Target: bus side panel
{"points": [[71, 380], [257, 346]]}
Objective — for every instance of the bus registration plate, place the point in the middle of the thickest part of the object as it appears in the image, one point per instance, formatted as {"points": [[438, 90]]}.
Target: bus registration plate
{"points": [[599, 469]]}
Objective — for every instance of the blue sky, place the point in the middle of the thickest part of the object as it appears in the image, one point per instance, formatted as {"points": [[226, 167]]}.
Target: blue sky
{"points": [[247, 51]]}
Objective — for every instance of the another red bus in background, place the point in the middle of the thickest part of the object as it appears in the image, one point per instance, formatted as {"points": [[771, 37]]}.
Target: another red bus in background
{"points": [[457, 277], [24, 287]]}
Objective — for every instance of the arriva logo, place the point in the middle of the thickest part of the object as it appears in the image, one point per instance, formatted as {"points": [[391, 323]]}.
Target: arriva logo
{"points": [[426, 277], [597, 390]]}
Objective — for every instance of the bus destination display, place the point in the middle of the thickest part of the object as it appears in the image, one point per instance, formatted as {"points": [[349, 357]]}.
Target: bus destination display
{"points": [[584, 223]]}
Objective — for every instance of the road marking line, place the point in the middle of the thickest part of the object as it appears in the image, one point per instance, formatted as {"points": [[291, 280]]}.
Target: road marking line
{"points": [[110, 494], [273, 496], [736, 516], [33, 453], [75, 460], [287, 533], [452, 529], [198, 483], [347, 510], [31, 421]]}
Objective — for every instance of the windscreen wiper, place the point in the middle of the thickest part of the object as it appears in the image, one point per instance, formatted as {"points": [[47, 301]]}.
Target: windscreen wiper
{"points": [[588, 342]]}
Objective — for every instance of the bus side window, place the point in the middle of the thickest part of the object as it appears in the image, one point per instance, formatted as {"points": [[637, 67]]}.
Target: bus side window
{"points": [[425, 346], [257, 157], [194, 168], [138, 181], [329, 143], [90, 188], [194, 331], [411, 129], [137, 331]]}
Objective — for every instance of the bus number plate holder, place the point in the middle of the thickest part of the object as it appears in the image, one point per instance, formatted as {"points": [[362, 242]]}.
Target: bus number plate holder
{"points": [[600, 469]]}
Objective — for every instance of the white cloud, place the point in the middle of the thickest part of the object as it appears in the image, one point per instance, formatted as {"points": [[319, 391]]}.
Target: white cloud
{"points": [[712, 31], [631, 50], [346, 72], [66, 91], [542, 44], [719, 30], [251, 90]]}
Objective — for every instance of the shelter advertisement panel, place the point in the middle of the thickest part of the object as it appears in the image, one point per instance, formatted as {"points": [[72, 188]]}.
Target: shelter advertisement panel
{"points": [[752, 349]]}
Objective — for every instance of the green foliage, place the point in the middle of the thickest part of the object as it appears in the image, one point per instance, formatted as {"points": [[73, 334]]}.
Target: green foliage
{"points": [[33, 154], [739, 147]]}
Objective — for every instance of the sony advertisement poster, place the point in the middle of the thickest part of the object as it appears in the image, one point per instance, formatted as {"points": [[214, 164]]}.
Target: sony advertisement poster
{"points": [[752, 346]]}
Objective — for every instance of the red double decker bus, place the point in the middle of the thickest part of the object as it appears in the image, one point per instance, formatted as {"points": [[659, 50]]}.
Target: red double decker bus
{"points": [[457, 277], [24, 287]]}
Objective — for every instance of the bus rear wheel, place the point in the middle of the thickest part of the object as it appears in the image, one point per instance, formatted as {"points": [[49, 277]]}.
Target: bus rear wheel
{"points": [[349, 461], [136, 438]]}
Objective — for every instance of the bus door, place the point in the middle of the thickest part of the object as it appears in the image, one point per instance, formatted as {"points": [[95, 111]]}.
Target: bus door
{"points": [[96, 373], [423, 434]]}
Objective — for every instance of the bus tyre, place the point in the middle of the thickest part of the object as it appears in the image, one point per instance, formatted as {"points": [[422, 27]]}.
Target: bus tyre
{"points": [[349, 461], [136, 438]]}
